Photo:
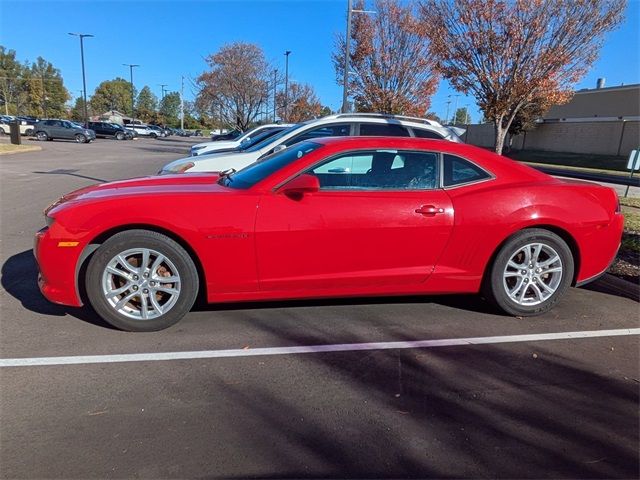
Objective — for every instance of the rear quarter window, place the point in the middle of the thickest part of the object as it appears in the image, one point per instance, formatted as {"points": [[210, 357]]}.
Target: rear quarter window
{"points": [[458, 171]]}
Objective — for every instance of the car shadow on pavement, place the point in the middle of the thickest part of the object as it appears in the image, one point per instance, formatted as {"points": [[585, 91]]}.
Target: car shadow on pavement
{"points": [[478, 412], [471, 303], [168, 149], [20, 280], [62, 171]]}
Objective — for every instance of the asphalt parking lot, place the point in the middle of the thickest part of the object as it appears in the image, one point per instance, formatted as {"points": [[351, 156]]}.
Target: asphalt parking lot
{"points": [[483, 395]]}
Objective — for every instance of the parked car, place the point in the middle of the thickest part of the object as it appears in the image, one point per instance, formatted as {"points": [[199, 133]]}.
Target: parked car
{"points": [[110, 130], [222, 137], [142, 130], [210, 147], [25, 128], [159, 130], [329, 217], [339, 125], [62, 129]]}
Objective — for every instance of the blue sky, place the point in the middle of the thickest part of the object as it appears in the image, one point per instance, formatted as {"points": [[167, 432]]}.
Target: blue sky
{"points": [[171, 38]]}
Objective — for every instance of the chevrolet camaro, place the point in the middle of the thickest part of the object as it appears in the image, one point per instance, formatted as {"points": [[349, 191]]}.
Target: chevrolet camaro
{"points": [[350, 216]]}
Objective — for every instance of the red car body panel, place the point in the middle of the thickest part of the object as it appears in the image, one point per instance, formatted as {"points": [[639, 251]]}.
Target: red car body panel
{"points": [[259, 244]]}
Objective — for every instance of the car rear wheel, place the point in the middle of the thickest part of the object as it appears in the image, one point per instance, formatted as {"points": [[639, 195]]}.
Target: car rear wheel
{"points": [[153, 135], [530, 273], [141, 281], [29, 132], [42, 136], [80, 138], [119, 136]]}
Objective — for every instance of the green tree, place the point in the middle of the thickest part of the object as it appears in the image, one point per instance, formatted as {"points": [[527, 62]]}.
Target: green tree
{"points": [[146, 104], [77, 111], [170, 108], [47, 95], [12, 84], [112, 95], [460, 117]]}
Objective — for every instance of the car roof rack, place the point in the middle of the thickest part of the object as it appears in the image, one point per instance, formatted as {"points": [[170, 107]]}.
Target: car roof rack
{"points": [[389, 116]]}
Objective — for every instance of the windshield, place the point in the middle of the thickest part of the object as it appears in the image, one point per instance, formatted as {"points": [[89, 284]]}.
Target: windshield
{"points": [[116, 126], [267, 141], [256, 172], [258, 138]]}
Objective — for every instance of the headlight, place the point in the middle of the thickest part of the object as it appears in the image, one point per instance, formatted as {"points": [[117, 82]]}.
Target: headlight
{"points": [[179, 168]]}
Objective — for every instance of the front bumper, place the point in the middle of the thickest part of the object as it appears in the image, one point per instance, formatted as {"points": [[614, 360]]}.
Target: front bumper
{"points": [[57, 268]]}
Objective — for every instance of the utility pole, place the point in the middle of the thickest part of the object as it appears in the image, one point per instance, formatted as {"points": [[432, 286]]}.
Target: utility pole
{"points": [[286, 85], [455, 110], [275, 84], [446, 118], [82, 36], [131, 67], [182, 103]]}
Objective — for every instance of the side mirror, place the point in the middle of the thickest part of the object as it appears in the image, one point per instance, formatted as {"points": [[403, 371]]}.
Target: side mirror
{"points": [[300, 185], [279, 148]]}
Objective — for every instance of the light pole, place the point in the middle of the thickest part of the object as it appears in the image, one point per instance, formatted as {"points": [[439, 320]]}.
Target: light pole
{"points": [[162, 85], [275, 84], [286, 84], [347, 56], [82, 36], [131, 67], [446, 118]]}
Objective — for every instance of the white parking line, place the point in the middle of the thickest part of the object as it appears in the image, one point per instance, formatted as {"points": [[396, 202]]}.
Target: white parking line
{"points": [[344, 347]]}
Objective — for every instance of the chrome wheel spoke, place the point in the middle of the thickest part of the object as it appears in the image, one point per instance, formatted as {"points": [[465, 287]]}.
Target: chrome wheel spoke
{"points": [[551, 270], [517, 288], [118, 272], [124, 300], [119, 291], [537, 292], [172, 291], [143, 306], [546, 287], [549, 261], [154, 303], [156, 264], [123, 261], [145, 260], [171, 279]]}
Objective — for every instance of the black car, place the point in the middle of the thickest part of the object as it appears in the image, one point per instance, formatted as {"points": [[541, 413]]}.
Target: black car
{"points": [[110, 130]]}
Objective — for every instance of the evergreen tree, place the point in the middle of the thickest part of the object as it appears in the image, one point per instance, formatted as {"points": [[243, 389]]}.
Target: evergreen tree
{"points": [[146, 104]]}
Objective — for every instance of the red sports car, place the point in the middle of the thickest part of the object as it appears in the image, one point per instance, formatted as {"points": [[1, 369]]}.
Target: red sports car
{"points": [[352, 216]]}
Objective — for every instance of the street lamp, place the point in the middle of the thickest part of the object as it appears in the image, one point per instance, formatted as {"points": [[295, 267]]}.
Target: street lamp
{"points": [[347, 51], [162, 85], [286, 85], [131, 67], [82, 36]]}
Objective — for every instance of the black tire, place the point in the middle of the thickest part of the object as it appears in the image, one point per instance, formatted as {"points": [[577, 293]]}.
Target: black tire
{"points": [[2, 132], [153, 135], [42, 136], [119, 136], [80, 138], [495, 283], [132, 239]]}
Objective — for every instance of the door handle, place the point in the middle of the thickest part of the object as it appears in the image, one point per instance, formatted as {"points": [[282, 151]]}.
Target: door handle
{"points": [[429, 210]]}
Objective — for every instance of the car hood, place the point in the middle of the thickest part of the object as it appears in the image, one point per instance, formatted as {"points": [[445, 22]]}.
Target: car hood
{"points": [[213, 162], [221, 144], [153, 185]]}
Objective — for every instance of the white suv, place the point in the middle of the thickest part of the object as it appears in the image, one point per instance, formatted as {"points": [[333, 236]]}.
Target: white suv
{"points": [[206, 148], [142, 130], [343, 124]]}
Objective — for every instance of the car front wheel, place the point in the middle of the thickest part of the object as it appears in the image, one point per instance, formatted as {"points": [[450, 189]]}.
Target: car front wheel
{"points": [[141, 281], [530, 273], [119, 136], [153, 135], [80, 138]]}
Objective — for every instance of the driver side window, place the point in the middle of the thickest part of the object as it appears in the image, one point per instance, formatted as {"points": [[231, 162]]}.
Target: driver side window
{"points": [[379, 170]]}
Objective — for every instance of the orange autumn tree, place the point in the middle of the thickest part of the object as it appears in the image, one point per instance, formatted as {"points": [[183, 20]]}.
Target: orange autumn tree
{"points": [[515, 54], [303, 103], [391, 69]]}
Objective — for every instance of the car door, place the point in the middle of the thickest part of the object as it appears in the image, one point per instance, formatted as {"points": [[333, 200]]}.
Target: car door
{"points": [[379, 220]]}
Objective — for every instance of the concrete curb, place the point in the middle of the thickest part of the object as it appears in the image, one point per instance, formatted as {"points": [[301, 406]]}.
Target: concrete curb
{"points": [[27, 148]]}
